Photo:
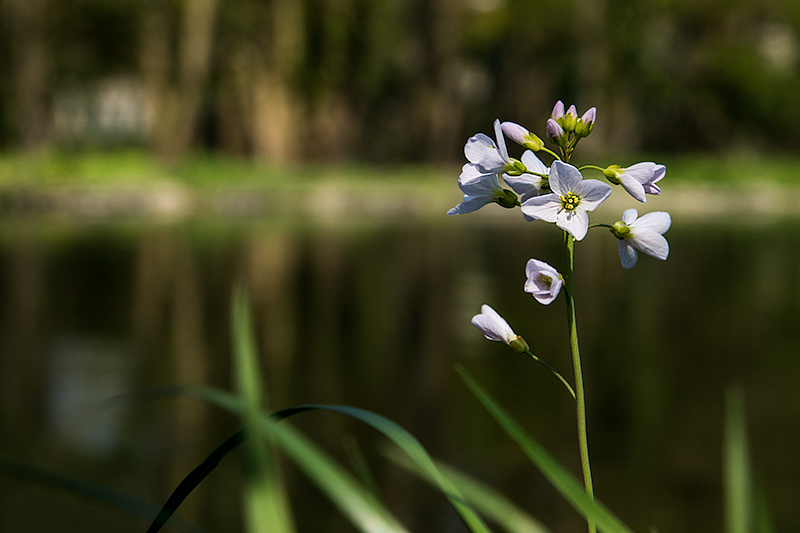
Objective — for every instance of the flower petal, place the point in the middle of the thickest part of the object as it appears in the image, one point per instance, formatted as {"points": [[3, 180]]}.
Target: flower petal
{"points": [[533, 163], [493, 326], [657, 221], [525, 185], [632, 186], [627, 253], [564, 178], [470, 204], [476, 145], [576, 222], [501, 141], [650, 242], [592, 193], [545, 207], [629, 216]]}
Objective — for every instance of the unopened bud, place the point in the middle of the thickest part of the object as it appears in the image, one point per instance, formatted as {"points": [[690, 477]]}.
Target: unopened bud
{"points": [[507, 199], [620, 230], [519, 345], [554, 130], [570, 119], [586, 123]]}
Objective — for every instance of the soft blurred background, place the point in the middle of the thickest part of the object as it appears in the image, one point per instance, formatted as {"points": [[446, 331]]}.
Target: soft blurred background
{"points": [[155, 153]]}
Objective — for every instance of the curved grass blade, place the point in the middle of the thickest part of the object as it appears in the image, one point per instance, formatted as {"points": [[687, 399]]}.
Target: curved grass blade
{"points": [[484, 498], [91, 491], [352, 498], [561, 479]]}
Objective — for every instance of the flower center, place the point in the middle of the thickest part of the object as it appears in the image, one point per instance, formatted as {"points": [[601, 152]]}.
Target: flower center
{"points": [[547, 280], [570, 201]]}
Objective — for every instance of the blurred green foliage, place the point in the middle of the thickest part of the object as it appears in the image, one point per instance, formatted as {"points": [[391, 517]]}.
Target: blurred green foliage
{"points": [[389, 80]]}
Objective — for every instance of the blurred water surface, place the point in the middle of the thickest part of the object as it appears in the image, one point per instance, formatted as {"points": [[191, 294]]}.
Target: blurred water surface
{"points": [[376, 315]]}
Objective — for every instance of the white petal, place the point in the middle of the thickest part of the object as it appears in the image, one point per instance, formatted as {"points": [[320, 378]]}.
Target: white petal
{"points": [[485, 185], [564, 178], [650, 242], [470, 204], [501, 141], [641, 172], [476, 145], [491, 162], [470, 172], [525, 185], [627, 253], [493, 326], [545, 207], [592, 193], [657, 221], [533, 163], [633, 187], [629, 216], [576, 223]]}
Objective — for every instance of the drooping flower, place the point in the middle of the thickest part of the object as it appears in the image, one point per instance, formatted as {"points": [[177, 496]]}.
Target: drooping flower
{"points": [[645, 233], [532, 183], [638, 179], [481, 190], [495, 328], [571, 199], [543, 281]]}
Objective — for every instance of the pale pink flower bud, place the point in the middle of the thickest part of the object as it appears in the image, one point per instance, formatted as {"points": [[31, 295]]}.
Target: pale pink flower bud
{"points": [[554, 131]]}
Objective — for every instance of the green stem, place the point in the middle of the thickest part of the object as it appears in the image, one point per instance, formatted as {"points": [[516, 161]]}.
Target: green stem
{"points": [[594, 167], [555, 373], [580, 400], [545, 149]]}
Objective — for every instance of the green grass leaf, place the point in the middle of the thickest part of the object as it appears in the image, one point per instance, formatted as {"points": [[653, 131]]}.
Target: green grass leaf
{"points": [[482, 497], [561, 479]]}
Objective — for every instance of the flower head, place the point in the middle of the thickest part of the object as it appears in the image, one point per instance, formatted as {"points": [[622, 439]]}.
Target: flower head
{"points": [[479, 190], [543, 281], [645, 233], [495, 328], [533, 182], [638, 179], [571, 199]]}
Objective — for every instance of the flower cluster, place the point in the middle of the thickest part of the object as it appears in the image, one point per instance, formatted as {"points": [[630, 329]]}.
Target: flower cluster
{"points": [[559, 193]]}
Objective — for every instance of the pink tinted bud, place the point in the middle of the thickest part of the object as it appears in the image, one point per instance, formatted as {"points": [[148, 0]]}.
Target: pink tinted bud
{"points": [[558, 110], [554, 131], [572, 111], [589, 116], [514, 131]]}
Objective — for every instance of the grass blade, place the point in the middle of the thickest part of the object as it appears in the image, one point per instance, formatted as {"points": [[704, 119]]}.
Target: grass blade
{"points": [[561, 479], [91, 491], [266, 508], [484, 498]]}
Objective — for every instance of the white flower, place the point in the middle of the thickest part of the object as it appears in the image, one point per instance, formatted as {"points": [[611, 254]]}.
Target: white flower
{"points": [[645, 233], [528, 185], [481, 190], [571, 199], [495, 328], [489, 157], [544, 282], [638, 179]]}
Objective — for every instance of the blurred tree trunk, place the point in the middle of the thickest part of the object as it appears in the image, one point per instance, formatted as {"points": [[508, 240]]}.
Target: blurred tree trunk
{"points": [[277, 110], [29, 68], [177, 99]]}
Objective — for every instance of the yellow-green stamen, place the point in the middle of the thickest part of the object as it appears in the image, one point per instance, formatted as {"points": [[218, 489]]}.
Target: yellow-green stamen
{"points": [[570, 201]]}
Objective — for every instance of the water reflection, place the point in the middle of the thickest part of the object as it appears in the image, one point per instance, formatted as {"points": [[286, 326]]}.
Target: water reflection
{"points": [[376, 316]]}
